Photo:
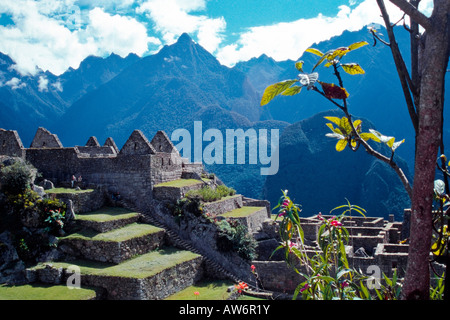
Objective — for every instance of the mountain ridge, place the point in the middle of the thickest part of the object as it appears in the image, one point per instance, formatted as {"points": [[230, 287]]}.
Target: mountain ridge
{"points": [[183, 83]]}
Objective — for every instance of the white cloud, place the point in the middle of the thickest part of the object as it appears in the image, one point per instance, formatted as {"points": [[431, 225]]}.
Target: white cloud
{"points": [[15, 83], [56, 35], [44, 35], [42, 84], [173, 17], [58, 86], [288, 40], [118, 34]]}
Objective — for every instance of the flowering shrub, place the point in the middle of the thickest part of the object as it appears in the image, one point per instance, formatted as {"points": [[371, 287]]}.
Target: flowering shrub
{"points": [[328, 275]]}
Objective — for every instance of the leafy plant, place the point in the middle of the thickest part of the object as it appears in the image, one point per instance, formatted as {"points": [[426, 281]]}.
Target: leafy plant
{"points": [[233, 236], [209, 194], [16, 178], [391, 290], [437, 293], [327, 272]]}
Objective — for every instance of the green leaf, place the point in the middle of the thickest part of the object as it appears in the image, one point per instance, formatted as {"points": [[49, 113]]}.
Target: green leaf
{"points": [[390, 142], [343, 272], [292, 91], [385, 139], [357, 45], [335, 135], [357, 123], [274, 90], [439, 187], [367, 136], [341, 144], [299, 66], [338, 53], [335, 120], [397, 144], [315, 51], [352, 68], [345, 125]]}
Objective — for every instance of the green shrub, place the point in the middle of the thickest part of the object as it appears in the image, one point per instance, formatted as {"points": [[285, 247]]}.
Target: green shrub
{"points": [[16, 178], [233, 236], [207, 194]]}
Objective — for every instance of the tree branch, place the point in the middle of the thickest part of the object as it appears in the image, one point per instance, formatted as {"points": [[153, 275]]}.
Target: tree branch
{"points": [[405, 79], [414, 13]]}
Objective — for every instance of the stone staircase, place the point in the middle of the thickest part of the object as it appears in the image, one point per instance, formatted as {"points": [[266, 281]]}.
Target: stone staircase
{"points": [[124, 258], [127, 255]]}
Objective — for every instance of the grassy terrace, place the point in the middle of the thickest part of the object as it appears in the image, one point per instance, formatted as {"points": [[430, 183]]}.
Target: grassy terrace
{"points": [[134, 230], [44, 292], [207, 290], [241, 212], [179, 183], [143, 266], [67, 190], [107, 214]]}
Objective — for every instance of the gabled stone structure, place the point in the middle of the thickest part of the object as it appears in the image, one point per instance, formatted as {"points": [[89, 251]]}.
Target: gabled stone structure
{"points": [[10, 144], [132, 171], [45, 139]]}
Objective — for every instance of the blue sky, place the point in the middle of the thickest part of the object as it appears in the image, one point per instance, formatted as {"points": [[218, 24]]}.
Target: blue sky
{"points": [[55, 35]]}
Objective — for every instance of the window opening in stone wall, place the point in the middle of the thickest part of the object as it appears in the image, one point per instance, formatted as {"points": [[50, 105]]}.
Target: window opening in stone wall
{"points": [[394, 265]]}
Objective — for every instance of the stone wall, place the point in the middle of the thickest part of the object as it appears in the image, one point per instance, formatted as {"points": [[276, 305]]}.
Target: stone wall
{"points": [[10, 144], [45, 139], [84, 201], [165, 167]]}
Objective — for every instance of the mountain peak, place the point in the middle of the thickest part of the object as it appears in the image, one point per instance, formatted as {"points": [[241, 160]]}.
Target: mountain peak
{"points": [[185, 38]]}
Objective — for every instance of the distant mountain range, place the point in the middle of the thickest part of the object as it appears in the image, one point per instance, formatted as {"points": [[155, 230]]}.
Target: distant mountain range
{"points": [[183, 83]]}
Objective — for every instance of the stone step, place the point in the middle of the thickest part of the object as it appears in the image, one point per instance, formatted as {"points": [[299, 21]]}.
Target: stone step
{"points": [[114, 246], [151, 276], [107, 219], [176, 189], [251, 217]]}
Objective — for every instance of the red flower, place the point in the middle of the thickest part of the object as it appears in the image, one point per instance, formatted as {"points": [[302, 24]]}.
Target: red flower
{"points": [[306, 287], [253, 268], [336, 223], [241, 286]]}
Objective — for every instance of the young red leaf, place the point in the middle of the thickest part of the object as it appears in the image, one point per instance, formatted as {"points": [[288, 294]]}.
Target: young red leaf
{"points": [[333, 91]]}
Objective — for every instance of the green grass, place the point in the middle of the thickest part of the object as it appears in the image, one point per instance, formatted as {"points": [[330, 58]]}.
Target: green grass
{"points": [[241, 212], [207, 290], [142, 266], [208, 194], [179, 183], [67, 190], [130, 231], [107, 214], [44, 292]]}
